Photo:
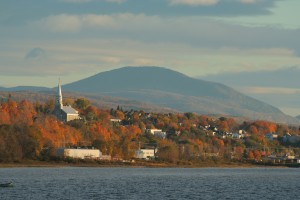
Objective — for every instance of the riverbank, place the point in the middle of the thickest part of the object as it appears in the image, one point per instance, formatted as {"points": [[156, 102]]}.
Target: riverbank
{"points": [[137, 164]]}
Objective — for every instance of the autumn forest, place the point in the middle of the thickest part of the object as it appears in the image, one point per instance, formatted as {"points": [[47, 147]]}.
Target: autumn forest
{"points": [[28, 131]]}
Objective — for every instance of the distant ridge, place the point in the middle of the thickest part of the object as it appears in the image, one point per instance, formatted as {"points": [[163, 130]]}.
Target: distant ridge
{"points": [[161, 90], [26, 88], [171, 89]]}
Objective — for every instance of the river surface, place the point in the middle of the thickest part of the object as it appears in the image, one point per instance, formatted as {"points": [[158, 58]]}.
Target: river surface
{"points": [[150, 183]]}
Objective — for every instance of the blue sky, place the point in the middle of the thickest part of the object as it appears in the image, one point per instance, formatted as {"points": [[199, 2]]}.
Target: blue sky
{"points": [[73, 39]]}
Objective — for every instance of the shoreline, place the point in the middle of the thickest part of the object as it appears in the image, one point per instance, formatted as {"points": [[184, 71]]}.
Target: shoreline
{"points": [[146, 164]]}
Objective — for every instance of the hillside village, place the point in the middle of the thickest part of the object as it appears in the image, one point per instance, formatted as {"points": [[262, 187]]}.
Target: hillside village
{"points": [[43, 131]]}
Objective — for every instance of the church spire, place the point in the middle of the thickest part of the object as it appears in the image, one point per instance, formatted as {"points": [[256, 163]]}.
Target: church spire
{"points": [[59, 102]]}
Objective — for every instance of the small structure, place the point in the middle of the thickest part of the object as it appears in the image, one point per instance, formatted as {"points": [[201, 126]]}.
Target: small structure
{"points": [[157, 133], [271, 136], [115, 120], [82, 153], [237, 135], [9, 184], [145, 154], [285, 159], [153, 130]]}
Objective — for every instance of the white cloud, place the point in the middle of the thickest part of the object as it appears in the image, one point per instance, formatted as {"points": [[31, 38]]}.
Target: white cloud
{"points": [[77, 1], [249, 1], [87, 1], [271, 90], [146, 62], [282, 52], [110, 60], [96, 20], [208, 2], [60, 23], [116, 1], [73, 23], [201, 45], [194, 2]]}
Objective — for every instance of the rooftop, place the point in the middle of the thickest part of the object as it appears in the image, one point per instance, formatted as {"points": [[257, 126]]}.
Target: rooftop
{"points": [[69, 110]]}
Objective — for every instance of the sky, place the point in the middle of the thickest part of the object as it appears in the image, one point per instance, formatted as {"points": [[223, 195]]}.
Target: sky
{"points": [[74, 39]]}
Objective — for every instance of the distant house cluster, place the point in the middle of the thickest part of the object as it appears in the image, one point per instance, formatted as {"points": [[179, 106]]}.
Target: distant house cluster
{"points": [[214, 131], [64, 113]]}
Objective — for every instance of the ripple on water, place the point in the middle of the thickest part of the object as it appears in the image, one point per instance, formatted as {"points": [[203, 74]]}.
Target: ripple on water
{"points": [[148, 183]]}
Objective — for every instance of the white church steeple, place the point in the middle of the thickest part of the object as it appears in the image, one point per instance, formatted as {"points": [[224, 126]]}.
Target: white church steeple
{"points": [[59, 101]]}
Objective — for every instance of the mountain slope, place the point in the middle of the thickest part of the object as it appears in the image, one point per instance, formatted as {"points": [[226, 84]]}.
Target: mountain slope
{"points": [[279, 86], [174, 90], [25, 88]]}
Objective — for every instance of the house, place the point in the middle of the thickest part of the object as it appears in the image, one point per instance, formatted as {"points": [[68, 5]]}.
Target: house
{"points": [[285, 159], [64, 113], [157, 133], [145, 154], [271, 136], [115, 120], [161, 134], [237, 135], [82, 153], [225, 135], [153, 130]]}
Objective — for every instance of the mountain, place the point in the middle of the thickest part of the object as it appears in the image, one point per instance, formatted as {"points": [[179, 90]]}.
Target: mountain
{"points": [[25, 88], [277, 78], [279, 86], [176, 91]]}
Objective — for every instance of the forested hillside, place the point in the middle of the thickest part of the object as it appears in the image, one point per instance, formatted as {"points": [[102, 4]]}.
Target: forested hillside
{"points": [[29, 131]]}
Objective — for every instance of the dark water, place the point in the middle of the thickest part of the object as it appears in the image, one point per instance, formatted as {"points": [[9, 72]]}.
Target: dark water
{"points": [[149, 183]]}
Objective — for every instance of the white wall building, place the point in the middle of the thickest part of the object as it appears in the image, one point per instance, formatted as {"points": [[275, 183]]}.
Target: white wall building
{"points": [[152, 131], [81, 153], [115, 120], [158, 133], [144, 153]]}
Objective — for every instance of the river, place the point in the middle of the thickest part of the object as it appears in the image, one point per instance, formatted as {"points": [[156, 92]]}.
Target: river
{"points": [[150, 183]]}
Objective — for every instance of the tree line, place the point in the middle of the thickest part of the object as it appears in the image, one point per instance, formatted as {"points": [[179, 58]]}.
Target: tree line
{"points": [[28, 131]]}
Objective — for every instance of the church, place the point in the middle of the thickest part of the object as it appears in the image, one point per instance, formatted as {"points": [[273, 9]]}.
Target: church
{"points": [[63, 113]]}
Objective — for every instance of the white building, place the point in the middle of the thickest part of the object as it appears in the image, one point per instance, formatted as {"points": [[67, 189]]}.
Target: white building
{"points": [[145, 153], [64, 113], [157, 133], [153, 130], [115, 120], [68, 113], [81, 153]]}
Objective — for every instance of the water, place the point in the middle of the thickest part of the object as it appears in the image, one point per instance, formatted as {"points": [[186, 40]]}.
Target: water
{"points": [[150, 183]]}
